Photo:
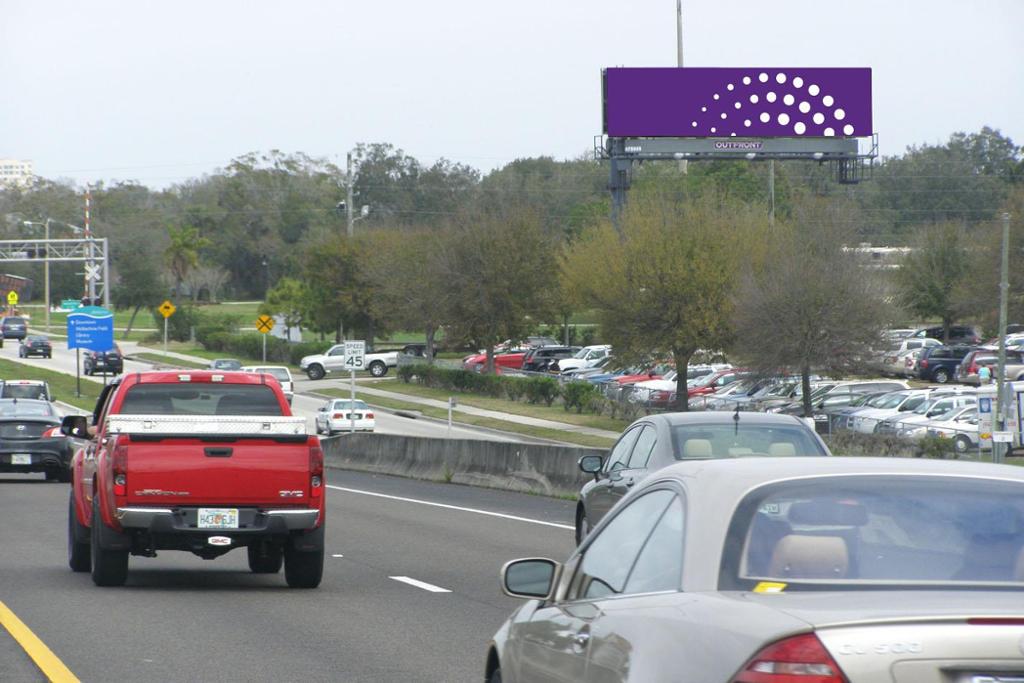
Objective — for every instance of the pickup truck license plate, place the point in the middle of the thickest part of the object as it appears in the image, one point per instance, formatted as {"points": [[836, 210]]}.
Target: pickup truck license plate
{"points": [[21, 459], [217, 518]]}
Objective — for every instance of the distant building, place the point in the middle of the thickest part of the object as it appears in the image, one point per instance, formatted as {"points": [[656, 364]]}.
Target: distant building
{"points": [[15, 173]]}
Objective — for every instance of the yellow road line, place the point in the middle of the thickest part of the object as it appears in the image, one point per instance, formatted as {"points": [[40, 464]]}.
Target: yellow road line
{"points": [[44, 658]]}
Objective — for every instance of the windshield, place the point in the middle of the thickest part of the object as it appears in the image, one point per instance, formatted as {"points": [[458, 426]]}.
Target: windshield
{"points": [[11, 408], [891, 401], [200, 399], [856, 531], [346, 405], [733, 440], [37, 391]]}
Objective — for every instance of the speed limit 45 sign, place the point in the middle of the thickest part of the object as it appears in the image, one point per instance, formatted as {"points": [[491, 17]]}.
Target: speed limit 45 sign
{"points": [[355, 352]]}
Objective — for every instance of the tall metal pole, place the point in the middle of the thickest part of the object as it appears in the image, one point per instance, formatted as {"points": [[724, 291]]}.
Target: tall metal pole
{"points": [[106, 272], [46, 274], [348, 200], [771, 190], [1004, 288], [679, 33]]}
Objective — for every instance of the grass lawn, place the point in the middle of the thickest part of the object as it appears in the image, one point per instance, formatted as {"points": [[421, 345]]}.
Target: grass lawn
{"points": [[556, 413], [476, 421], [62, 386]]}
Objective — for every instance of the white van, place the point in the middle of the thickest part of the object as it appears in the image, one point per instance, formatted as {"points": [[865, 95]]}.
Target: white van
{"points": [[279, 372]]}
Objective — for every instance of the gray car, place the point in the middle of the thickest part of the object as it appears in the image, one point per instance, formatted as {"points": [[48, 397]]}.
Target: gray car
{"points": [[656, 441], [854, 570]]}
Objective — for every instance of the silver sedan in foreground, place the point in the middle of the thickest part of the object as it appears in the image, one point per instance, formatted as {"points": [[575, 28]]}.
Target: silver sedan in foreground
{"points": [[784, 570]]}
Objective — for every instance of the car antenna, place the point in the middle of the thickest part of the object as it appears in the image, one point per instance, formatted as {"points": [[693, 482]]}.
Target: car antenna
{"points": [[736, 421]]}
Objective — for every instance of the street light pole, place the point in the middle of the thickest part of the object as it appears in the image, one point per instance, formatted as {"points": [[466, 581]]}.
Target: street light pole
{"points": [[1004, 286], [348, 198], [46, 266]]}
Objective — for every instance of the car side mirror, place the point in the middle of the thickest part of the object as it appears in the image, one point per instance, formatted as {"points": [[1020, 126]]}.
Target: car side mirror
{"points": [[75, 425], [323, 409], [531, 578], [591, 464]]}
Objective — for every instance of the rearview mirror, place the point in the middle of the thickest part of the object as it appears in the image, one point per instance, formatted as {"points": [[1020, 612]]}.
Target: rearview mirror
{"points": [[530, 578], [591, 464], [75, 425]]}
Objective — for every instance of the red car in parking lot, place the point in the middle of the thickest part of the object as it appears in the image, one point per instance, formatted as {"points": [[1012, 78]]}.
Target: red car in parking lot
{"points": [[477, 362]]}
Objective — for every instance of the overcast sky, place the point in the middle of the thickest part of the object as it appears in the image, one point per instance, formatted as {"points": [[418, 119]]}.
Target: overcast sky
{"points": [[163, 91]]}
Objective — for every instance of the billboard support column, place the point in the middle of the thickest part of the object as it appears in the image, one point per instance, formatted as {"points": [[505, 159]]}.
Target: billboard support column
{"points": [[620, 169]]}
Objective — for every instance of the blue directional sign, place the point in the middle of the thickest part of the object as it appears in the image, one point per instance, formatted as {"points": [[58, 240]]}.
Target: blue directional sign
{"points": [[91, 327]]}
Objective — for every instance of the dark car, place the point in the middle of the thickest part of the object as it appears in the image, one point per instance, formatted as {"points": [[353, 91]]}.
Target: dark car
{"points": [[35, 345], [225, 364], [30, 439], [958, 334], [938, 363], [540, 358], [108, 362], [13, 327], [656, 441]]}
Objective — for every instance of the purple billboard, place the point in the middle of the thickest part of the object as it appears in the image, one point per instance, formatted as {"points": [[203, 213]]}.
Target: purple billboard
{"points": [[748, 102]]}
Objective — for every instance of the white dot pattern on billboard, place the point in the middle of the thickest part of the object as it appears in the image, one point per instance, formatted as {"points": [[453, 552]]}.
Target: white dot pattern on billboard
{"points": [[808, 118]]}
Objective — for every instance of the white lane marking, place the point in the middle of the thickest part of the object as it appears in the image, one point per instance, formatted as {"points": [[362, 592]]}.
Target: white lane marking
{"points": [[454, 507], [337, 556], [420, 584]]}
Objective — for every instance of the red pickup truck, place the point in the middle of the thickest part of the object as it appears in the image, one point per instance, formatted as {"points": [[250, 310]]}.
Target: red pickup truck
{"points": [[199, 461]]}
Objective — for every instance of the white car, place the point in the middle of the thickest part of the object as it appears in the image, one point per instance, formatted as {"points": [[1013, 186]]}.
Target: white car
{"points": [[279, 372], [963, 430], [938, 406], [587, 357], [333, 360], [342, 415], [867, 420], [919, 430]]}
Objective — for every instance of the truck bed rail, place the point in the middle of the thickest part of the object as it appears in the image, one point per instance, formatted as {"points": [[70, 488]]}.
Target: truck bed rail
{"points": [[207, 425]]}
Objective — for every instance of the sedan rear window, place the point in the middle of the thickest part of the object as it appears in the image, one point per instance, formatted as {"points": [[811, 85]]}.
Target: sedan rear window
{"points": [[862, 532], [696, 441]]}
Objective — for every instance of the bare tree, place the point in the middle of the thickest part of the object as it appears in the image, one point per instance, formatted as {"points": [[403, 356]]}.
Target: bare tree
{"points": [[210, 278], [809, 305]]}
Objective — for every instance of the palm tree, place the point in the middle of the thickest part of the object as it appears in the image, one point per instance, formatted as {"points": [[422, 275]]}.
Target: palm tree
{"points": [[183, 253]]}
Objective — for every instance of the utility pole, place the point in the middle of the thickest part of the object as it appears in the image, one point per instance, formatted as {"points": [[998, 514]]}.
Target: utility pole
{"points": [[348, 200], [1004, 288]]}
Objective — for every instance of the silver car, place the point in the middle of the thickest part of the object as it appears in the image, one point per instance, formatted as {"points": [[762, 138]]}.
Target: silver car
{"points": [[856, 570], [656, 441]]}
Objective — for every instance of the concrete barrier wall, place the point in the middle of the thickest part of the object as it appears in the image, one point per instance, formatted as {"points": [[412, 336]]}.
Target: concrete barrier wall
{"points": [[548, 470]]}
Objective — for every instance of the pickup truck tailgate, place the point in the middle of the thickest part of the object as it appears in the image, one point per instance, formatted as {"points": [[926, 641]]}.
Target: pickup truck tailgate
{"points": [[238, 461]]}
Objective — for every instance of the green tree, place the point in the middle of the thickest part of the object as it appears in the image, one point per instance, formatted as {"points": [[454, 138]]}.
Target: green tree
{"points": [[809, 305], [499, 268], [666, 286], [137, 282], [289, 298], [932, 276]]}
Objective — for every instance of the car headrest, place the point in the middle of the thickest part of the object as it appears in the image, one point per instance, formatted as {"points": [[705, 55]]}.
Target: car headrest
{"points": [[827, 513], [782, 449], [810, 557], [697, 448]]}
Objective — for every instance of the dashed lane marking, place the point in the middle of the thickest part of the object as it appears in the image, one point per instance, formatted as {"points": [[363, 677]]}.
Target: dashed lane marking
{"points": [[420, 584], [43, 656], [488, 513]]}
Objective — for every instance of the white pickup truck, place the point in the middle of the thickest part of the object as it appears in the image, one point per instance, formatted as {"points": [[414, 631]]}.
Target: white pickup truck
{"points": [[317, 366]]}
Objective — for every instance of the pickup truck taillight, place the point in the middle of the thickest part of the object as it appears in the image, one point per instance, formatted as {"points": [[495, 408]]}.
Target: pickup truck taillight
{"points": [[119, 465], [316, 470]]}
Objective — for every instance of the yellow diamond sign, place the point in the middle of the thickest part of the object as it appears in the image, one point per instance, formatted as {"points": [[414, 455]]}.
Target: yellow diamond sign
{"points": [[264, 324], [167, 309]]}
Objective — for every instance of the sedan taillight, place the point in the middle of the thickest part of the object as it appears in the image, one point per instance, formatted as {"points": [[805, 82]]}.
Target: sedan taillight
{"points": [[800, 659]]}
